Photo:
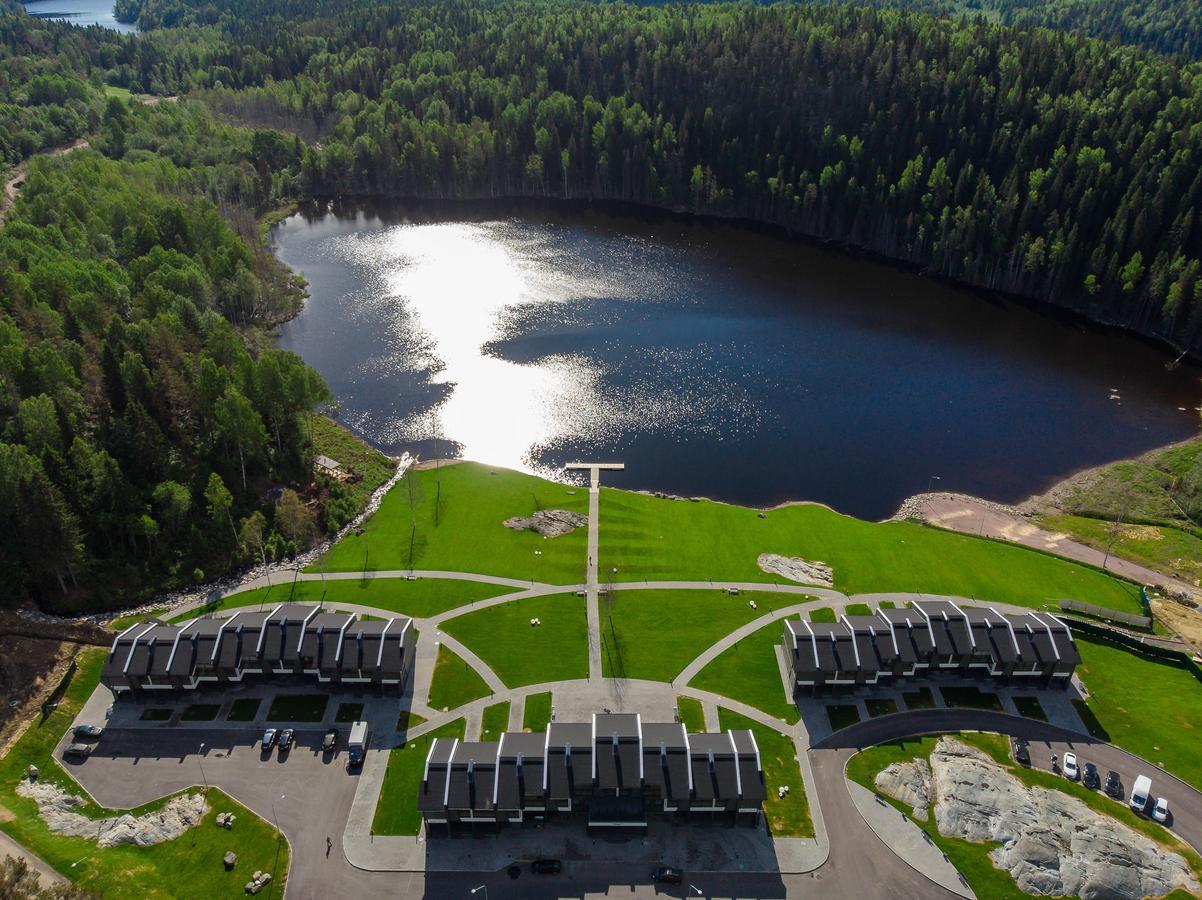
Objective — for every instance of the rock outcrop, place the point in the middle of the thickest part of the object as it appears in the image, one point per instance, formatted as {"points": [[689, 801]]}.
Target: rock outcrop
{"points": [[909, 782], [59, 811], [797, 569], [548, 522], [1051, 843]]}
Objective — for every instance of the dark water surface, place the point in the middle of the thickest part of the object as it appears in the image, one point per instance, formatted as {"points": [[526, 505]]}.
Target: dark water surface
{"points": [[79, 12], [711, 360]]}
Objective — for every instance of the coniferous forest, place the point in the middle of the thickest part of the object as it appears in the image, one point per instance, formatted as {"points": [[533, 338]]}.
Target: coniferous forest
{"points": [[1049, 150]]}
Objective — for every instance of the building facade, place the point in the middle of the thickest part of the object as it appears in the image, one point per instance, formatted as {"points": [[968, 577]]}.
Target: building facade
{"points": [[927, 638], [291, 641], [613, 773]]}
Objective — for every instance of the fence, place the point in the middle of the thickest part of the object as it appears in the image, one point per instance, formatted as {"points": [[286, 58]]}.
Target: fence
{"points": [[1110, 615], [1147, 648]]}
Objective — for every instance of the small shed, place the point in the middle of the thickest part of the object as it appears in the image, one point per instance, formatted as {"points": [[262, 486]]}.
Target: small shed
{"points": [[327, 466]]}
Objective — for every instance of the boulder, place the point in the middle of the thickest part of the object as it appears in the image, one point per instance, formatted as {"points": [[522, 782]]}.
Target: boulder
{"points": [[797, 569], [1050, 842], [59, 811], [230, 859], [909, 782], [548, 522]]}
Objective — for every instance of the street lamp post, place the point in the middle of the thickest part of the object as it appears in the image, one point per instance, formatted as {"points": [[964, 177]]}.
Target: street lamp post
{"points": [[482, 887], [931, 481], [693, 887], [200, 762]]}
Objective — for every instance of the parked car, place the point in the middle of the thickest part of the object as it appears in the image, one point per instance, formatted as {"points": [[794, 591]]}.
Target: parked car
{"points": [[88, 732], [1090, 777], [286, 739], [1141, 793], [269, 739], [546, 867], [81, 751], [329, 741], [1114, 784], [1022, 753], [668, 875], [1160, 812], [1071, 770]]}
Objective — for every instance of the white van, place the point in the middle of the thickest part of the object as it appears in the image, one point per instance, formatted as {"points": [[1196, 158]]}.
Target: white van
{"points": [[1141, 793], [357, 745]]}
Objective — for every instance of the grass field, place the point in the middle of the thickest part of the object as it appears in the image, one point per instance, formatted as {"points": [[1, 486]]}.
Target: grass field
{"points": [[521, 653], [419, 599], [454, 682], [857, 609], [396, 809], [1149, 708], [201, 712], [298, 708], [451, 519], [842, 715], [120, 623], [1160, 547], [748, 672], [636, 644], [787, 816], [649, 538], [919, 699], [536, 714], [822, 614], [408, 719], [495, 720], [188, 867], [244, 710], [881, 706], [1031, 708], [691, 714], [971, 698], [972, 859], [349, 712], [334, 441]]}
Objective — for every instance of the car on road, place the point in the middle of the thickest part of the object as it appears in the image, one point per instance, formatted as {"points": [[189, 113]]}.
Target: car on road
{"points": [[546, 867], [1090, 777], [286, 739], [1160, 812], [668, 875], [269, 739], [88, 732], [329, 741], [1114, 784], [1071, 770], [1021, 751], [80, 751]]}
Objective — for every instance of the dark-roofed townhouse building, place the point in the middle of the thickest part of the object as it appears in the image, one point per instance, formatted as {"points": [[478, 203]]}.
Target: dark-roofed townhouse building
{"points": [[291, 641], [936, 636], [610, 773]]}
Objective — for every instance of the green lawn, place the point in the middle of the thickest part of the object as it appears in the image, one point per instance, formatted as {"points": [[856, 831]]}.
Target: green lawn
{"points": [[822, 614], [451, 519], [883, 706], [536, 715], [1149, 708], [420, 599], [155, 714], [972, 859], [649, 538], [244, 710], [842, 715], [857, 609], [396, 809], [1031, 708], [201, 712], [298, 708], [787, 816], [408, 719], [188, 867], [691, 714], [454, 682], [123, 622], [1161, 547], [495, 720], [971, 698], [748, 672], [334, 441], [521, 653], [635, 642], [919, 699], [349, 712]]}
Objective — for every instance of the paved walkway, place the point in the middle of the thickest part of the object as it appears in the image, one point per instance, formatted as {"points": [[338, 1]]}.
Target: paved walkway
{"points": [[907, 840], [9, 847]]}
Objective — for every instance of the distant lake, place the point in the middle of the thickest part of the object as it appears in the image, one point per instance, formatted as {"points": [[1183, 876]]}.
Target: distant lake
{"points": [[79, 12], [712, 360]]}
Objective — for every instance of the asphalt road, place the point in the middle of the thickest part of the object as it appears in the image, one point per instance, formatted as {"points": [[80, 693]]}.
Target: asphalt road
{"points": [[1185, 802]]}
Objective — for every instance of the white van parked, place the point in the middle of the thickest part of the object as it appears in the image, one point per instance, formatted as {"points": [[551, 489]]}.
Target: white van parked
{"points": [[1141, 793]]}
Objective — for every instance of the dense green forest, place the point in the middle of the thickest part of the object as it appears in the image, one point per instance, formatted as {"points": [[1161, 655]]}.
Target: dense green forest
{"points": [[141, 407]]}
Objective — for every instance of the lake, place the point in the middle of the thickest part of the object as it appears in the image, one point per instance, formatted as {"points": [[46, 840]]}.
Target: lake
{"points": [[79, 12], [712, 360]]}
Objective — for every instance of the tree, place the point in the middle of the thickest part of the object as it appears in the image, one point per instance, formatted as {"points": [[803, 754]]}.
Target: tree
{"points": [[218, 502], [250, 535], [240, 428], [19, 882], [294, 521], [173, 501]]}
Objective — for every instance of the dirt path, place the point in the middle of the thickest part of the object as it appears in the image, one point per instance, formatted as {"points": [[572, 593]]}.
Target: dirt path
{"points": [[959, 513], [12, 184]]}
